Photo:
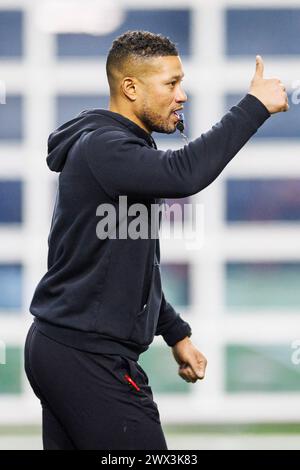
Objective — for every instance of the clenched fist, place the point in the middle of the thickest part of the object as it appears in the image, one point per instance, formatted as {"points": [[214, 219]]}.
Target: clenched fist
{"points": [[271, 92], [192, 363]]}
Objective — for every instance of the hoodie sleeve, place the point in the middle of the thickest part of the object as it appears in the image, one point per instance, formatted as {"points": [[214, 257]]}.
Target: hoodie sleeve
{"points": [[170, 325], [124, 165]]}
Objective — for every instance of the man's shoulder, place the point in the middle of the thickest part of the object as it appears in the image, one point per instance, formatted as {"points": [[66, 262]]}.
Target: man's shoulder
{"points": [[111, 135]]}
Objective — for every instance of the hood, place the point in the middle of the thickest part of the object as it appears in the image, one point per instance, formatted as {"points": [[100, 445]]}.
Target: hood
{"points": [[61, 140]]}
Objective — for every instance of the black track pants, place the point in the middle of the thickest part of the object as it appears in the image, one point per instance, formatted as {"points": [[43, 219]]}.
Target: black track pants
{"points": [[86, 401]]}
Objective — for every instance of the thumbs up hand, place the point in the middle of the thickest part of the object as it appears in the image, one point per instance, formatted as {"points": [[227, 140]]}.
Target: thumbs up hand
{"points": [[271, 92]]}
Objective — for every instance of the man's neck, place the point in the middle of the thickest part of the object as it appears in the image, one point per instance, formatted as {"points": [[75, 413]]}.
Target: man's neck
{"points": [[128, 114]]}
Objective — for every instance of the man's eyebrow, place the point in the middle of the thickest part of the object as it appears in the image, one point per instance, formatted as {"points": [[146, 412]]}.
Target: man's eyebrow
{"points": [[177, 76]]}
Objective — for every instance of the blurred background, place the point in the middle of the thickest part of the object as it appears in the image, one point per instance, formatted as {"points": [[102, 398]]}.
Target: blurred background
{"points": [[240, 290]]}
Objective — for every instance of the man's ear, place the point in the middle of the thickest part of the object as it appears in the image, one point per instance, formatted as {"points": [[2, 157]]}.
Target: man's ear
{"points": [[128, 87]]}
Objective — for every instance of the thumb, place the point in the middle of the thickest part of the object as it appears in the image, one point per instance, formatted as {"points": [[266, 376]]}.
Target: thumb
{"points": [[198, 368], [259, 70]]}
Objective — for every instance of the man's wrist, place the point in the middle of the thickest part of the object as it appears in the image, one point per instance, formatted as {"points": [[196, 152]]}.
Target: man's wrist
{"points": [[184, 340]]}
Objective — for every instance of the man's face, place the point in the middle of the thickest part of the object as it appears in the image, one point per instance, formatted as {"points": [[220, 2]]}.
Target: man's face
{"points": [[160, 94]]}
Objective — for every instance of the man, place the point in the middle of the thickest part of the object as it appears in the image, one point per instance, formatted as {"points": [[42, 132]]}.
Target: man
{"points": [[101, 302]]}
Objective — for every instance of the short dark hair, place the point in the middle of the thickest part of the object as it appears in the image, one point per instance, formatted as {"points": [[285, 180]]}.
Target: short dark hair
{"points": [[137, 45]]}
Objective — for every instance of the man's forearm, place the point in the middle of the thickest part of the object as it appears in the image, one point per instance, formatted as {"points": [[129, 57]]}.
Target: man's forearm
{"points": [[170, 325]]}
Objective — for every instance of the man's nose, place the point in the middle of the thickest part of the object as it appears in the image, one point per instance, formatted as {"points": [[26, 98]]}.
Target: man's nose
{"points": [[181, 96]]}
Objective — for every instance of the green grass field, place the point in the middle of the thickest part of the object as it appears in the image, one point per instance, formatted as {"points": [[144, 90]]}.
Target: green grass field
{"points": [[269, 436]]}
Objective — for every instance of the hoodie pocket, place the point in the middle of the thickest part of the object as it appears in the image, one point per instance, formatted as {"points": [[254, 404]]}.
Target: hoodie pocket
{"points": [[145, 321]]}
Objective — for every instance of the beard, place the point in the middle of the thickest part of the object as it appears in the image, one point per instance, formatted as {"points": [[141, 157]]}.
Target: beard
{"points": [[156, 122]]}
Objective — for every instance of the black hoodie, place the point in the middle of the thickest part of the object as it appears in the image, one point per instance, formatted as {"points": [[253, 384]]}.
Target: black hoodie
{"points": [[105, 295]]}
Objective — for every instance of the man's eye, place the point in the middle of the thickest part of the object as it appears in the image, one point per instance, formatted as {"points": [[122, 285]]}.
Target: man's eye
{"points": [[173, 83]]}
